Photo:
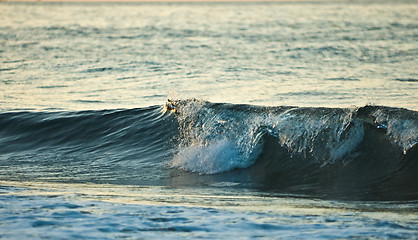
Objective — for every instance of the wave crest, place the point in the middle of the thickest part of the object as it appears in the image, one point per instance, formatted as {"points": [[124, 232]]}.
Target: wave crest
{"points": [[218, 137]]}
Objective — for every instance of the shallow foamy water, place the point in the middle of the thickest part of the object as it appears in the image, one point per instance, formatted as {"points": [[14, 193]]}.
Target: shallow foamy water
{"points": [[88, 211]]}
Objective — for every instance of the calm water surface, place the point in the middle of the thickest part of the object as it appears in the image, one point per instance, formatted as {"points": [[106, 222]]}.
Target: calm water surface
{"points": [[95, 56]]}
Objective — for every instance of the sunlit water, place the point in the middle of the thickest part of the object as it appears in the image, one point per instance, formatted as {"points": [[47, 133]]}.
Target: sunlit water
{"points": [[39, 210], [95, 56], [70, 174]]}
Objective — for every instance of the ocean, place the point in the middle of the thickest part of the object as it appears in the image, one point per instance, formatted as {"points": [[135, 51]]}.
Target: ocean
{"points": [[213, 120]]}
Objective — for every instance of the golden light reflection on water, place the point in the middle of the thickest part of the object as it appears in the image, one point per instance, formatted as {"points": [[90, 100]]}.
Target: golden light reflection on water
{"points": [[93, 57]]}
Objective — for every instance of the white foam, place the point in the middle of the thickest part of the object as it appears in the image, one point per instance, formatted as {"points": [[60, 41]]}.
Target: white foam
{"points": [[80, 211], [213, 141], [211, 158], [218, 140], [326, 138], [403, 132]]}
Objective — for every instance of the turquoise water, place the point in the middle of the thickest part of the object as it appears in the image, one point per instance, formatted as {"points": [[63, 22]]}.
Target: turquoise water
{"points": [[286, 120]]}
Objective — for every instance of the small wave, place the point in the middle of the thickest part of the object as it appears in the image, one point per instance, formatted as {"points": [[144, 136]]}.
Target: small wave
{"points": [[7, 69], [99, 69], [87, 101], [126, 78], [304, 93], [344, 79], [406, 79], [53, 86]]}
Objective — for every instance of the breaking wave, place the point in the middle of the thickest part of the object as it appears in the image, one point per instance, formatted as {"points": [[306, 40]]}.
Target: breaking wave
{"points": [[321, 135], [362, 153], [368, 152]]}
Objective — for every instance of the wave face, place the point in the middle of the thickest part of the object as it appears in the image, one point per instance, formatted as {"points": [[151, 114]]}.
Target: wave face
{"points": [[110, 146], [368, 153]]}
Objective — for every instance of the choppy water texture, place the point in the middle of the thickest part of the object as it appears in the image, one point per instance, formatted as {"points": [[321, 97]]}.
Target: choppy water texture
{"points": [[112, 212], [268, 131]]}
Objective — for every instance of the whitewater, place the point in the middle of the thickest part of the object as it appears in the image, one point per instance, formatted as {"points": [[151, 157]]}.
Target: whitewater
{"points": [[271, 120]]}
